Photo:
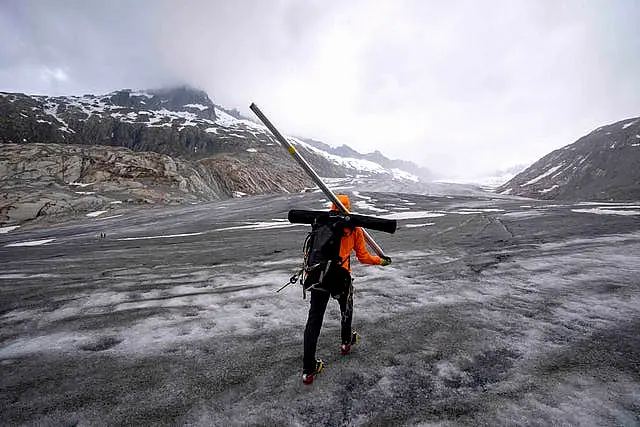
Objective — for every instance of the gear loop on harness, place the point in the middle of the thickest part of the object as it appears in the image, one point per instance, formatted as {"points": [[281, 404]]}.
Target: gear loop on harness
{"points": [[293, 279]]}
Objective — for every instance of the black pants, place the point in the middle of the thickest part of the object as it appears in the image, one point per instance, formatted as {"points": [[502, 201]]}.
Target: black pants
{"points": [[319, 301]]}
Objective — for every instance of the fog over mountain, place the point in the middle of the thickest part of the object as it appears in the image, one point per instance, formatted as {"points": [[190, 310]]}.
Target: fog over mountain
{"points": [[462, 88]]}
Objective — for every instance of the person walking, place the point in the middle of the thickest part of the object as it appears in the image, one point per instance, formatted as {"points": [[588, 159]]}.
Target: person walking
{"points": [[334, 282]]}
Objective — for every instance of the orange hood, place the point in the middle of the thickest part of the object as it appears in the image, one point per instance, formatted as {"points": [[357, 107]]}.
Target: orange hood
{"points": [[344, 199]]}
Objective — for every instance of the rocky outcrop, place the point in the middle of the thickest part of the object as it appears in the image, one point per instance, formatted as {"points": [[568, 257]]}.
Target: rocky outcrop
{"points": [[264, 176], [59, 180], [603, 165]]}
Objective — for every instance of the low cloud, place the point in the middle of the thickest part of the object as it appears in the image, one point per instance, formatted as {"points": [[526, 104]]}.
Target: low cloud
{"points": [[461, 87]]}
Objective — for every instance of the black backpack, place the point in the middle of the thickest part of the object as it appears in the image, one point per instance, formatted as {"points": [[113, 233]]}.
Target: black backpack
{"points": [[322, 252]]}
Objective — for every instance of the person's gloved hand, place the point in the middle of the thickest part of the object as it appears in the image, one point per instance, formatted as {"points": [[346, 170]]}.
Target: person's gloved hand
{"points": [[384, 261]]}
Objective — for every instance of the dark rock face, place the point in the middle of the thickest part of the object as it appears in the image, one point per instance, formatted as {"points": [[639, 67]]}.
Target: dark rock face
{"points": [[603, 165], [178, 99], [142, 121]]}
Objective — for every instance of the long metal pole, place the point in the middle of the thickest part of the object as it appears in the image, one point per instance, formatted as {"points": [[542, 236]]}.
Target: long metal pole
{"points": [[312, 174]]}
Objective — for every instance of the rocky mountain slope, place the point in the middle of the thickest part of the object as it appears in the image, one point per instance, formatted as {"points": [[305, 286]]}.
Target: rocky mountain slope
{"points": [[57, 180], [180, 122], [603, 165], [170, 146]]}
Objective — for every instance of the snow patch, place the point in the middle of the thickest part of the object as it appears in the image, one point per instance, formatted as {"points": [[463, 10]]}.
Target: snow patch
{"points": [[5, 230], [629, 124], [159, 115], [51, 109], [252, 150], [356, 164], [110, 217], [401, 175], [482, 210], [419, 225], [259, 226], [361, 204], [544, 175], [469, 212], [347, 162], [357, 194], [546, 190], [166, 236], [55, 342], [606, 205], [525, 214], [96, 213], [141, 93], [607, 211], [30, 243], [27, 276], [198, 106], [413, 215], [227, 120]]}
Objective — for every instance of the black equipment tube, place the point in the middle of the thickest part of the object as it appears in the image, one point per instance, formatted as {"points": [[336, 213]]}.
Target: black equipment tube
{"points": [[297, 216]]}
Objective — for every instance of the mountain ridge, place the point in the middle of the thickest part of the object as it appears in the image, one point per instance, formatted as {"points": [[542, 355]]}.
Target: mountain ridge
{"points": [[181, 121], [603, 165], [147, 147], [375, 156]]}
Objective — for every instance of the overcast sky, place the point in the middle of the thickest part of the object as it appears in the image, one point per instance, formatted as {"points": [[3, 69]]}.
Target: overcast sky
{"points": [[461, 87]]}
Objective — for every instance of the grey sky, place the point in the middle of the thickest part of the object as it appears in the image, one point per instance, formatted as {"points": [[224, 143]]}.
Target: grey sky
{"points": [[461, 87]]}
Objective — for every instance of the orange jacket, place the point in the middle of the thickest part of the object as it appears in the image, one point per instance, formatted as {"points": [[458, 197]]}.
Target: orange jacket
{"points": [[354, 240]]}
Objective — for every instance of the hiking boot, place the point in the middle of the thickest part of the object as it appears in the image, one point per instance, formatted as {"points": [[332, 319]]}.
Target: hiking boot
{"points": [[346, 348], [308, 378]]}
